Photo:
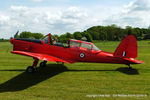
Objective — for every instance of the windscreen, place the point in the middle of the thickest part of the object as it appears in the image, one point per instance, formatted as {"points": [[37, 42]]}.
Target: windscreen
{"points": [[95, 48], [45, 40]]}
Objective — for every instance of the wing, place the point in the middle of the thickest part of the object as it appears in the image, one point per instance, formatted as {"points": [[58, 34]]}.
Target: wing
{"points": [[43, 57]]}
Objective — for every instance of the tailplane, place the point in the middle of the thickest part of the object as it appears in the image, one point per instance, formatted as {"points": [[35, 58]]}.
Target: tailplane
{"points": [[127, 48]]}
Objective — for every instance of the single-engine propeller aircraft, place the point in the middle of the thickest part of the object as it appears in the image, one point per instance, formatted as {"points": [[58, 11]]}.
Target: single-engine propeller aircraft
{"points": [[48, 49]]}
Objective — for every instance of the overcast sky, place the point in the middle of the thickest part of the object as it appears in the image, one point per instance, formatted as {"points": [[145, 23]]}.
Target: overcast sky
{"points": [[61, 16]]}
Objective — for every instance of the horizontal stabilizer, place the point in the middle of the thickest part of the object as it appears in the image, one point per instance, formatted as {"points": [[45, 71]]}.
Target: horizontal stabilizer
{"points": [[133, 61]]}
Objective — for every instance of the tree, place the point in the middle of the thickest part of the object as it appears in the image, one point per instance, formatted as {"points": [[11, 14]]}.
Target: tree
{"points": [[128, 30], [69, 35], [110, 33], [94, 32], [63, 38], [147, 36], [103, 35], [77, 35], [95, 35], [37, 35], [89, 37], [55, 35], [26, 34]]}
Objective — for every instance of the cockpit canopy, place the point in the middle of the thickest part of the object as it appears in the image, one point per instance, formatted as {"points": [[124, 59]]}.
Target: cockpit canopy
{"points": [[71, 44], [82, 44]]}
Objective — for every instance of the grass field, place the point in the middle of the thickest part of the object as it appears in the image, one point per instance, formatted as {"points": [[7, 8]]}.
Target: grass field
{"points": [[79, 81]]}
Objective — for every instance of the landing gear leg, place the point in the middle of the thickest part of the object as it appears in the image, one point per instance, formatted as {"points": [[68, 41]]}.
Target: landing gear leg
{"points": [[31, 69]]}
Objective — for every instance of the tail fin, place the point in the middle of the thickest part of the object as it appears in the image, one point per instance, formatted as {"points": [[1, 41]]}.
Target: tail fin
{"points": [[127, 48]]}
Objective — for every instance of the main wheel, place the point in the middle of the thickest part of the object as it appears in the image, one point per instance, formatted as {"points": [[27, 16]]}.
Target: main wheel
{"points": [[42, 64], [30, 69], [130, 68]]}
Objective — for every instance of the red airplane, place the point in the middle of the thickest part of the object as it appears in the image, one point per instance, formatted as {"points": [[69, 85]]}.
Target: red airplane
{"points": [[48, 49]]}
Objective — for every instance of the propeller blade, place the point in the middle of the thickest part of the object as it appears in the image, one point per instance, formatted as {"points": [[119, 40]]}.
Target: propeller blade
{"points": [[15, 36]]}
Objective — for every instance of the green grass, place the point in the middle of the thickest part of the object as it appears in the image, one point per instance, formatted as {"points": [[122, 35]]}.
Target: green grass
{"points": [[73, 81]]}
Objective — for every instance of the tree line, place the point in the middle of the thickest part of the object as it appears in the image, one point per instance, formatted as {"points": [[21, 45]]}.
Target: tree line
{"points": [[31, 35], [108, 33], [103, 33]]}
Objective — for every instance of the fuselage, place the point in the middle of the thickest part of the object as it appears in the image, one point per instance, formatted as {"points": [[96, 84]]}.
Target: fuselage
{"points": [[77, 54]]}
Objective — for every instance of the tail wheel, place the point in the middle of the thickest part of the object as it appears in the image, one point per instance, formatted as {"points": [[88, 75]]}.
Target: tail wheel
{"points": [[30, 69], [130, 68], [42, 64]]}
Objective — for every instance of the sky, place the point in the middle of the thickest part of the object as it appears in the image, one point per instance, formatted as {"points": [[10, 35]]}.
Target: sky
{"points": [[61, 16]]}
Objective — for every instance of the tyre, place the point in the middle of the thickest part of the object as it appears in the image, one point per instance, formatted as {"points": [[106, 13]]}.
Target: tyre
{"points": [[42, 64], [30, 69]]}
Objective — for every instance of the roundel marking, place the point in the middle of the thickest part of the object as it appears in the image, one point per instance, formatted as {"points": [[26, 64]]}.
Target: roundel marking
{"points": [[82, 55]]}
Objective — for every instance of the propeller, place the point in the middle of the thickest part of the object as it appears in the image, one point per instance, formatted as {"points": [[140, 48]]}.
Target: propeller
{"points": [[15, 36]]}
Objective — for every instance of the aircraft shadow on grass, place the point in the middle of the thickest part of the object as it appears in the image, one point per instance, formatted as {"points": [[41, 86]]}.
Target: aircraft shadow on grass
{"points": [[26, 80]]}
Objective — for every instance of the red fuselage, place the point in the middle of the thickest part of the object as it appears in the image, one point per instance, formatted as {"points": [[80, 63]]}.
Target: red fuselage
{"points": [[77, 54]]}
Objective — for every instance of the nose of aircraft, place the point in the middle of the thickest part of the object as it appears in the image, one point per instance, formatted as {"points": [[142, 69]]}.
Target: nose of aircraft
{"points": [[11, 40]]}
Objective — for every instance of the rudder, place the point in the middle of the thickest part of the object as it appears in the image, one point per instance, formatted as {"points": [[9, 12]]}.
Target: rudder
{"points": [[127, 48]]}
